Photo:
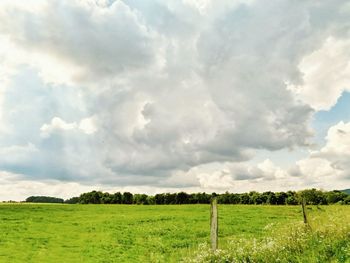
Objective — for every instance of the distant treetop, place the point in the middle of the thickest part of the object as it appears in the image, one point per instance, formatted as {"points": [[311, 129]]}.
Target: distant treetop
{"points": [[44, 199]]}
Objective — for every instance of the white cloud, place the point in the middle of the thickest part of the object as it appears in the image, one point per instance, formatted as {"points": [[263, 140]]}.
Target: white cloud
{"points": [[168, 88], [15, 187], [207, 7], [86, 125], [338, 141], [270, 170], [326, 74], [111, 40], [329, 166], [237, 177], [217, 180], [19, 153], [56, 124]]}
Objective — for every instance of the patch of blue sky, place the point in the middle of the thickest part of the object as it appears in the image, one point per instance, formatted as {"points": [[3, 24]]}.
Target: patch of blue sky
{"points": [[323, 120], [30, 103]]}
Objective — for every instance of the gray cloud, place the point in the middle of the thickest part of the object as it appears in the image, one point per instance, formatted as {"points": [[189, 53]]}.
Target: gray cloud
{"points": [[171, 88], [103, 41]]}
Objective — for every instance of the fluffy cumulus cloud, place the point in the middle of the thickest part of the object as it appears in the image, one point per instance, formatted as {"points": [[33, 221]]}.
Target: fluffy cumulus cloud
{"points": [[326, 74], [166, 93], [56, 125], [330, 164]]}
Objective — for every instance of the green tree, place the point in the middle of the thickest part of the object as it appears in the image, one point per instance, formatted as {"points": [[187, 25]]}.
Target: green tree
{"points": [[159, 199], [169, 199], [140, 199], [93, 197], [291, 198], [117, 198], [127, 198], [182, 198], [73, 200], [313, 196], [245, 198], [151, 200], [44, 199], [106, 198], [335, 196]]}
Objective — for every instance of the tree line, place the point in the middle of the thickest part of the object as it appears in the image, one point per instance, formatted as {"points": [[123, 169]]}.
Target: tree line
{"points": [[44, 199], [311, 196]]}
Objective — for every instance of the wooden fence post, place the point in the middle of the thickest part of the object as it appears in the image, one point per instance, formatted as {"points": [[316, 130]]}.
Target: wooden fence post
{"points": [[303, 203], [214, 223]]}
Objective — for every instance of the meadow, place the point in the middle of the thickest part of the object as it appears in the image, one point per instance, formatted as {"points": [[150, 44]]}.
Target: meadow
{"points": [[139, 233]]}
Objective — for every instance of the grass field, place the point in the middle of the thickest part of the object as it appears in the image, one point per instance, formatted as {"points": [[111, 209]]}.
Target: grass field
{"points": [[130, 233]]}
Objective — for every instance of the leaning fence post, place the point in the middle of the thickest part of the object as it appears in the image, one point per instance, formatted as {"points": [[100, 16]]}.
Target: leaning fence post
{"points": [[304, 211], [214, 223]]}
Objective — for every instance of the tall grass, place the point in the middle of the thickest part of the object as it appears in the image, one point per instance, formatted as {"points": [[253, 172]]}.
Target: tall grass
{"points": [[325, 239]]}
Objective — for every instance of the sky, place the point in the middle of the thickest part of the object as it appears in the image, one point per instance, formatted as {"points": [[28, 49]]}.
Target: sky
{"points": [[176, 95]]}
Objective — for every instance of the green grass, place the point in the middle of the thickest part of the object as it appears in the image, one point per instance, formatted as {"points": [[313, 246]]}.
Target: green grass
{"points": [[325, 239], [122, 233]]}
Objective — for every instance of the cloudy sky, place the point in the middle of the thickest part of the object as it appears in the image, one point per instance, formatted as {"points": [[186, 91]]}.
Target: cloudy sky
{"points": [[157, 96]]}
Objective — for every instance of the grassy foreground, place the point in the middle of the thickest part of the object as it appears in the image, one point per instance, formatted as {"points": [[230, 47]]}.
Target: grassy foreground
{"points": [[122, 233], [326, 238]]}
